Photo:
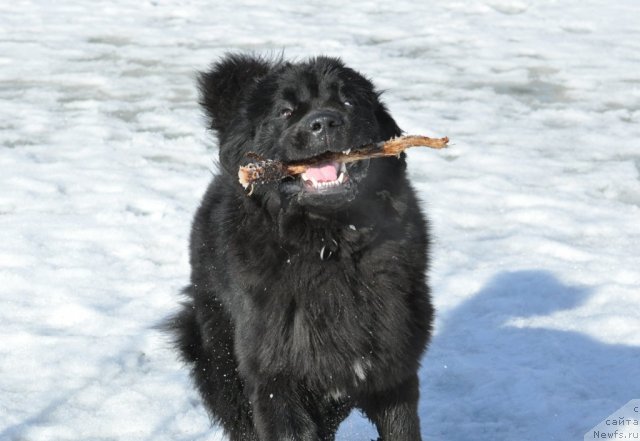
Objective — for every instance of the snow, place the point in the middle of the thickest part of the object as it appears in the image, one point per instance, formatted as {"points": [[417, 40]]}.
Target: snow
{"points": [[534, 208]]}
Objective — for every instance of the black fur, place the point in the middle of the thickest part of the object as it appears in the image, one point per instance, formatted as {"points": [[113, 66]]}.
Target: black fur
{"points": [[304, 305]]}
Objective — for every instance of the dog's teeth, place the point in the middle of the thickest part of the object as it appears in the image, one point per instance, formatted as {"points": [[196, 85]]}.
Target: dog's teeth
{"points": [[323, 185], [343, 167]]}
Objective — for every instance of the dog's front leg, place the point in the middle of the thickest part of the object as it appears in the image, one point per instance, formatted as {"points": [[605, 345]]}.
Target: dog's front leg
{"points": [[279, 413], [395, 412]]}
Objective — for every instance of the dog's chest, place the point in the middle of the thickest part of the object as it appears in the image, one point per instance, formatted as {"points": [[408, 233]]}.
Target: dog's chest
{"points": [[324, 314]]}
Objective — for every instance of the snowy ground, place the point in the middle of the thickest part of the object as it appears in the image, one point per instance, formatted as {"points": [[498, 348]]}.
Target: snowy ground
{"points": [[535, 209]]}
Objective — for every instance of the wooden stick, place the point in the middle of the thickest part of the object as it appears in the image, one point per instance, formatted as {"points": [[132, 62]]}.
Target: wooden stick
{"points": [[269, 170]]}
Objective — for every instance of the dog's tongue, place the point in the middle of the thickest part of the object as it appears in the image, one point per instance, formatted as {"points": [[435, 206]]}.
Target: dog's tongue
{"points": [[324, 172]]}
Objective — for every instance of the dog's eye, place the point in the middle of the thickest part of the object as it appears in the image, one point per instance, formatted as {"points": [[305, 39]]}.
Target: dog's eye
{"points": [[347, 103], [286, 112]]}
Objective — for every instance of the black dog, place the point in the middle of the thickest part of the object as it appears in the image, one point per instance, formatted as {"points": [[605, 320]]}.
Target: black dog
{"points": [[308, 297]]}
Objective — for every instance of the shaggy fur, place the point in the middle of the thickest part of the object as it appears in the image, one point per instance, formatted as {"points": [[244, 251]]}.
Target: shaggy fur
{"points": [[304, 304]]}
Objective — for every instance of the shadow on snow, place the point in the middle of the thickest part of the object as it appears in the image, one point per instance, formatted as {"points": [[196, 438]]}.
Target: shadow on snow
{"points": [[485, 378]]}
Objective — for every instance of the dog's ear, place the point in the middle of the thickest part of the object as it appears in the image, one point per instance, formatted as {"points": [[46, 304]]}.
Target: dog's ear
{"points": [[388, 127], [223, 87]]}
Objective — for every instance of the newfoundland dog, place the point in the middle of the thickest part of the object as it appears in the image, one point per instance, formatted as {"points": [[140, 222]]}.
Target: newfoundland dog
{"points": [[308, 297]]}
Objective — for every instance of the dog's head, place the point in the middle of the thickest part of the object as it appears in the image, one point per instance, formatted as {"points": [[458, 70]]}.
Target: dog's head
{"points": [[295, 111]]}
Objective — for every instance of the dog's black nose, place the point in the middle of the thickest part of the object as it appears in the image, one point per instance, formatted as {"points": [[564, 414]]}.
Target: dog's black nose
{"points": [[324, 122]]}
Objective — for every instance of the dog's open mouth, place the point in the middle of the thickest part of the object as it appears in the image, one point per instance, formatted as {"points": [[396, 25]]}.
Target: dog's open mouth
{"points": [[325, 177], [327, 184], [333, 178], [330, 185]]}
